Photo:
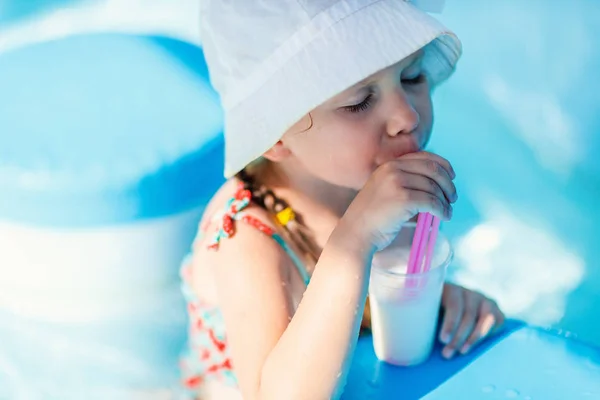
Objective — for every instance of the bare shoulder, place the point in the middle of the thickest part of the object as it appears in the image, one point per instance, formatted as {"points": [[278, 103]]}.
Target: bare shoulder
{"points": [[246, 254], [218, 201]]}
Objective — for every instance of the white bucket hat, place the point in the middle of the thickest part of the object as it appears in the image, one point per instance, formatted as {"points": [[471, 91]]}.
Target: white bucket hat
{"points": [[273, 61]]}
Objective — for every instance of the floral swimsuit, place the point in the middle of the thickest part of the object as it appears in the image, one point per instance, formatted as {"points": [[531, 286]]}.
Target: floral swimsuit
{"points": [[207, 356]]}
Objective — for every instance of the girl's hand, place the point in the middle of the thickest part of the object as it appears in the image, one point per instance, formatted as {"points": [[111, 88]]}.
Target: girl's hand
{"points": [[469, 317], [396, 192]]}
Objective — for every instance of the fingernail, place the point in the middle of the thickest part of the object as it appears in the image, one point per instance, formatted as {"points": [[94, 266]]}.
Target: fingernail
{"points": [[448, 353], [445, 338], [465, 349]]}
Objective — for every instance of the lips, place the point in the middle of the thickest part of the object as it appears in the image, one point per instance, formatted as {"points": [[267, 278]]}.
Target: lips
{"points": [[397, 150], [406, 148], [398, 146]]}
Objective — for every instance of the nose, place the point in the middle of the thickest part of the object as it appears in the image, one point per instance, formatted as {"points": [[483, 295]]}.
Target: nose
{"points": [[402, 116]]}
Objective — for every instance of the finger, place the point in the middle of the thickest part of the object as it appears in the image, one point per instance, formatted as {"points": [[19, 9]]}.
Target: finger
{"points": [[486, 321], [423, 184], [431, 156], [452, 302], [465, 328], [417, 201], [499, 317], [432, 170]]}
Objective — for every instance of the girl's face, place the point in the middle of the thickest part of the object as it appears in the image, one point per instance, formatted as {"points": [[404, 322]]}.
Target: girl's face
{"points": [[387, 115]]}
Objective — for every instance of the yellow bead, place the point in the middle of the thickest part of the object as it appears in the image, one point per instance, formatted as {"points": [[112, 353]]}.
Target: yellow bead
{"points": [[286, 215]]}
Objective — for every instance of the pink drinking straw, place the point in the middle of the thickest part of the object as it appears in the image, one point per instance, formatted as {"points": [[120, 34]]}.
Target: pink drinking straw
{"points": [[417, 238], [431, 245], [423, 243]]}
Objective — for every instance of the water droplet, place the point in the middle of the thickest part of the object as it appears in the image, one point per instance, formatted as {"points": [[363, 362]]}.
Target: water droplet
{"points": [[488, 388], [511, 394]]}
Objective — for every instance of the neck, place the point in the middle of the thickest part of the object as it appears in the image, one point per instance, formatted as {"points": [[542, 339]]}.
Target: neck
{"points": [[300, 188], [319, 204]]}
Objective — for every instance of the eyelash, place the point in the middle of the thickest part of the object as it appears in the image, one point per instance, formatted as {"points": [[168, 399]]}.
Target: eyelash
{"points": [[362, 106], [366, 103], [414, 81]]}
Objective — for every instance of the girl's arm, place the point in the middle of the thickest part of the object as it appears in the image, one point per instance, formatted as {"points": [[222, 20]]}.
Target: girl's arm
{"points": [[278, 354]]}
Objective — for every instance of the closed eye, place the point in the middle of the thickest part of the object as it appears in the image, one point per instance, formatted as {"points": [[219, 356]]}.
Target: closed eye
{"points": [[362, 106], [414, 81]]}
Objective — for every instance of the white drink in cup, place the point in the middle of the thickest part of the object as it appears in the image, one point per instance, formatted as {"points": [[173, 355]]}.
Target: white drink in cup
{"points": [[404, 308]]}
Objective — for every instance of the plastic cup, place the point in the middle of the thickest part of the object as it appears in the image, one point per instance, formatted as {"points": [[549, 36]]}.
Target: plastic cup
{"points": [[405, 308]]}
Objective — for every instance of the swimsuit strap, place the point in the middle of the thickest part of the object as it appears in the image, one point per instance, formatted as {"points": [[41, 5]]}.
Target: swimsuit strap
{"points": [[233, 212]]}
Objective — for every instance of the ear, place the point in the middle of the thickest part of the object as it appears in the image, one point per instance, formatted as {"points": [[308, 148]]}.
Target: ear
{"points": [[278, 152]]}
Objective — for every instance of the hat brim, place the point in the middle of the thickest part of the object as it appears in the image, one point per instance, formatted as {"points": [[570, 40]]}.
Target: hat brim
{"points": [[353, 48]]}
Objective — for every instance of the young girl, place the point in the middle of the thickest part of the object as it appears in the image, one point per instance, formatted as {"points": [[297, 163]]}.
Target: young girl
{"points": [[327, 112]]}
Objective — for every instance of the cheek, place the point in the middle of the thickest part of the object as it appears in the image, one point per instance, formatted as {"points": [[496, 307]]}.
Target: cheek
{"points": [[424, 107], [342, 154]]}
